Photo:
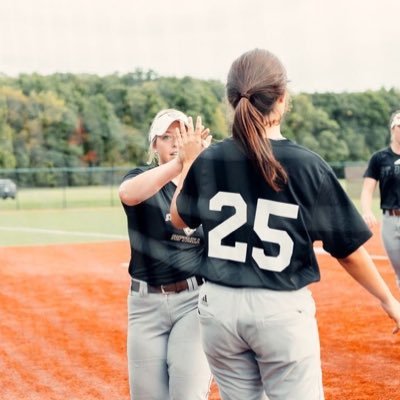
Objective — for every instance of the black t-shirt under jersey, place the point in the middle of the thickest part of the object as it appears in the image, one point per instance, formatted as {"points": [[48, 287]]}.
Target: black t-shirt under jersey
{"points": [[256, 237], [384, 166], [160, 253]]}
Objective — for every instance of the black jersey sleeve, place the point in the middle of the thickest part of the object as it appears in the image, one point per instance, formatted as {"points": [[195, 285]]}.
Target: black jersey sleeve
{"points": [[372, 170], [131, 174], [187, 200], [336, 221], [134, 172]]}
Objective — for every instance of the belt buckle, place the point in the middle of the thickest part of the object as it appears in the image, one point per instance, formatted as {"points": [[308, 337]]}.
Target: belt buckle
{"points": [[163, 291]]}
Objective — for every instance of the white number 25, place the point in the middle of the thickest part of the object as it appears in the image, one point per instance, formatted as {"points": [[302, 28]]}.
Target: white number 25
{"points": [[264, 209]]}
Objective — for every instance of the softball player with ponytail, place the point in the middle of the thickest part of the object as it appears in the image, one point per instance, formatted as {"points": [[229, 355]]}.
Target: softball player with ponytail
{"points": [[262, 201]]}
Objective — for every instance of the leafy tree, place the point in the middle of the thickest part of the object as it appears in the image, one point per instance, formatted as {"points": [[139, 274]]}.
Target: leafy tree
{"points": [[87, 120], [7, 157], [305, 120], [331, 148]]}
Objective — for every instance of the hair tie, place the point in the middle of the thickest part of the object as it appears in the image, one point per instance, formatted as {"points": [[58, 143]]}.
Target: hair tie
{"points": [[246, 96]]}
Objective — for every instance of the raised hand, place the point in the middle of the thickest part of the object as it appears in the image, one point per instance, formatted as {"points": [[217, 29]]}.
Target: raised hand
{"points": [[192, 140]]}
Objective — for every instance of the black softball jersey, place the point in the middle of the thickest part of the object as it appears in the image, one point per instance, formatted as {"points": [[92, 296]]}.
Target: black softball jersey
{"points": [[384, 166], [160, 253], [256, 237]]}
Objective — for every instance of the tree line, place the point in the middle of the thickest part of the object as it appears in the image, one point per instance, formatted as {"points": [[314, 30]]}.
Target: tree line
{"points": [[82, 120]]}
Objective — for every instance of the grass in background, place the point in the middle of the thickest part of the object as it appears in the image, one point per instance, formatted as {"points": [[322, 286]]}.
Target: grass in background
{"points": [[32, 227], [84, 214], [68, 197]]}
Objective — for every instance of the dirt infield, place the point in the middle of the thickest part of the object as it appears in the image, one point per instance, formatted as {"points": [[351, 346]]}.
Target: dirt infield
{"points": [[63, 323]]}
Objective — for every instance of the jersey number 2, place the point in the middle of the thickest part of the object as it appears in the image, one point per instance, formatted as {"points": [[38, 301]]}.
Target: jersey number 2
{"points": [[264, 209]]}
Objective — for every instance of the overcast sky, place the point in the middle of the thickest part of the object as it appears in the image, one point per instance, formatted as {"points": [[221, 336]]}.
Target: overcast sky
{"points": [[326, 45]]}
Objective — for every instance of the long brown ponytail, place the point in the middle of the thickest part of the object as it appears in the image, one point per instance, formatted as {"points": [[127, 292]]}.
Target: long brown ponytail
{"points": [[256, 80]]}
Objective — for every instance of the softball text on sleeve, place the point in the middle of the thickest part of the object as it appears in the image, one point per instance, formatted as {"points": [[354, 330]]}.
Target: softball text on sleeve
{"points": [[160, 253]]}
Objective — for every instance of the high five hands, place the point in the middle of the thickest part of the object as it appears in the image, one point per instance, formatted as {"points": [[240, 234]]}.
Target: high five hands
{"points": [[192, 140]]}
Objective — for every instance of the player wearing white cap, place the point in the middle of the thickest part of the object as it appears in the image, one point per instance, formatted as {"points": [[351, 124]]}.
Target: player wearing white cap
{"points": [[165, 355]]}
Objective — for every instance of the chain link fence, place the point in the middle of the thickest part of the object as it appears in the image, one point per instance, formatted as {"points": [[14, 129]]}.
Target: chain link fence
{"points": [[63, 187], [98, 186]]}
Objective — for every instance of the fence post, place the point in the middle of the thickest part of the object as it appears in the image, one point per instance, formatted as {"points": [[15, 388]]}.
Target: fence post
{"points": [[112, 186], [16, 176], [65, 183]]}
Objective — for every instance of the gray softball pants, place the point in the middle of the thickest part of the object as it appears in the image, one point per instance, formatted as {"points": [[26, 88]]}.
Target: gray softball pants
{"points": [[166, 360], [261, 344], [391, 241]]}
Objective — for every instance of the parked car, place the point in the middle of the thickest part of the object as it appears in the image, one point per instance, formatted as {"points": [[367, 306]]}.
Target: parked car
{"points": [[7, 188]]}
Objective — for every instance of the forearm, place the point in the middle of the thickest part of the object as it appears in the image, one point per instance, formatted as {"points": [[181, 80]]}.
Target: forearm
{"points": [[367, 193], [135, 190], [176, 220], [191, 142], [360, 267], [366, 202]]}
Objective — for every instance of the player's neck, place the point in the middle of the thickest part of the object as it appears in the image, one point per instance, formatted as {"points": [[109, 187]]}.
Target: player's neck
{"points": [[395, 147], [274, 132]]}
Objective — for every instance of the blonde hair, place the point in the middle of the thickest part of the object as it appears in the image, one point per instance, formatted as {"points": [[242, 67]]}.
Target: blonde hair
{"points": [[392, 117], [152, 154]]}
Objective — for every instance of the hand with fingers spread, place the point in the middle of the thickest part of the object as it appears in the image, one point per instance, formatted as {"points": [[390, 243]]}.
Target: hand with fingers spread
{"points": [[206, 138], [192, 140]]}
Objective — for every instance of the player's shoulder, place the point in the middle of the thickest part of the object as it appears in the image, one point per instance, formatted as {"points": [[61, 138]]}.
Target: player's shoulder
{"points": [[295, 155], [136, 171], [380, 156], [291, 147], [222, 149], [288, 152], [382, 153]]}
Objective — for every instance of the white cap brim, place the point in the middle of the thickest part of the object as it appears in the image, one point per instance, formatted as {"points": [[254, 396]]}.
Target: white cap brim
{"points": [[161, 124]]}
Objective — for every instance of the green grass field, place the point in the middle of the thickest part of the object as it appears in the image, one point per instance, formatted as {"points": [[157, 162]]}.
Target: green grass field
{"points": [[33, 227], [87, 196], [73, 214], [92, 214]]}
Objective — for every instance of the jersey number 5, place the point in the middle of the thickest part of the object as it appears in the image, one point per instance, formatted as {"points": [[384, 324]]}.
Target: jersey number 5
{"points": [[264, 209]]}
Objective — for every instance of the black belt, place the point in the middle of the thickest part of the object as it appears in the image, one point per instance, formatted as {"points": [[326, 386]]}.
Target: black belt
{"points": [[393, 212], [175, 287]]}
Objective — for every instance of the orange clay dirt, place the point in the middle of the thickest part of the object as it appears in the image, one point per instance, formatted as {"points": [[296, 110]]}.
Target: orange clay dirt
{"points": [[63, 325]]}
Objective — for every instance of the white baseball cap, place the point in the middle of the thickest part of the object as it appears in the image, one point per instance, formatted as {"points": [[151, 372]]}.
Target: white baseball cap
{"points": [[163, 120], [395, 121]]}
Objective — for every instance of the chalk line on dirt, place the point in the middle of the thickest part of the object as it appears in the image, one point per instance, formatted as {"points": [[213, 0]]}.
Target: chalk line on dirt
{"points": [[61, 232]]}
